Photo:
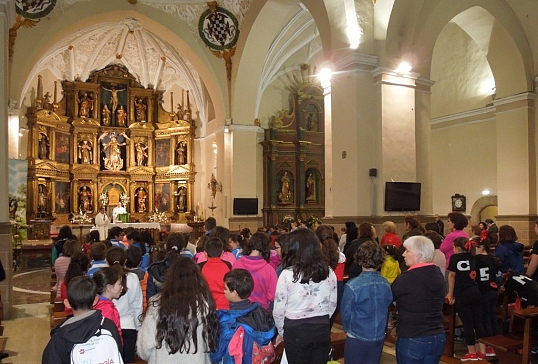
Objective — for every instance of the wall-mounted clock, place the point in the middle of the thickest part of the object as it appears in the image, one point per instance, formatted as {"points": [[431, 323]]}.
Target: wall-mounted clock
{"points": [[458, 203]]}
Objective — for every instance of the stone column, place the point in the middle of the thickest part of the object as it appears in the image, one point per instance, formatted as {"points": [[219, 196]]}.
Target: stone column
{"points": [[516, 163], [6, 252], [396, 136]]}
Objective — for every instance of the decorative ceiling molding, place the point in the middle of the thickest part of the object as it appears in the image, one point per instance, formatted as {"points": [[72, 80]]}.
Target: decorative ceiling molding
{"points": [[153, 61]]}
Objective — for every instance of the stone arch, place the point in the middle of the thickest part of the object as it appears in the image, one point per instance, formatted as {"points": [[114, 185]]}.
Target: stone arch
{"points": [[480, 204], [413, 32], [162, 24]]}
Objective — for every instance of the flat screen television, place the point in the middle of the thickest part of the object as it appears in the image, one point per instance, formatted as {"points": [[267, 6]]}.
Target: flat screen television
{"points": [[402, 196], [245, 206]]}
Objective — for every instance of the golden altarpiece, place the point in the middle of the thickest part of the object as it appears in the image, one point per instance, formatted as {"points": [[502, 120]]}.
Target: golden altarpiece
{"points": [[294, 155], [109, 140]]}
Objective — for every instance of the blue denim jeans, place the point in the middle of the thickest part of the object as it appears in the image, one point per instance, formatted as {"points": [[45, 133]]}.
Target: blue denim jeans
{"points": [[420, 350]]}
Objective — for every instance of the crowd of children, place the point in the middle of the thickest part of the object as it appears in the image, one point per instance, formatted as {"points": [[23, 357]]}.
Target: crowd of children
{"points": [[232, 298]]}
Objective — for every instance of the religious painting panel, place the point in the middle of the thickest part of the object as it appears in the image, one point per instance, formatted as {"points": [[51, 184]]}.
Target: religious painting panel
{"points": [[161, 197], [62, 148], [114, 104], [162, 153], [113, 151], [61, 197], [141, 107]]}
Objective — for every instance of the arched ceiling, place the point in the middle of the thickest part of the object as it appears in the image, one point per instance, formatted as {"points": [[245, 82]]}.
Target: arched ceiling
{"points": [[152, 60]]}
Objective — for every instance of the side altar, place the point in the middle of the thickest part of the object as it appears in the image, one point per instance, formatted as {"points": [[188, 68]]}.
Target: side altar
{"points": [[109, 140]]}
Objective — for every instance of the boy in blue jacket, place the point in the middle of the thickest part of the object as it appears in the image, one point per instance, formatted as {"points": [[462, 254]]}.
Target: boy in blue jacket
{"points": [[256, 323]]}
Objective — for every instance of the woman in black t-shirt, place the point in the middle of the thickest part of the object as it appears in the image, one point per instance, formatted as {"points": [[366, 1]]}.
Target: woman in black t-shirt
{"points": [[464, 292]]}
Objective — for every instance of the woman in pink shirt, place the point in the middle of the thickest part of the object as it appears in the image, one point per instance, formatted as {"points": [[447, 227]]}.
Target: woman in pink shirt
{"points": [[456, 223]]}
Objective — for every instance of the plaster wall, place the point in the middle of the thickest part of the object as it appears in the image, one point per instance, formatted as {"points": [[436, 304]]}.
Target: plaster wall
{"points": [[462, 74], [463, 161]]}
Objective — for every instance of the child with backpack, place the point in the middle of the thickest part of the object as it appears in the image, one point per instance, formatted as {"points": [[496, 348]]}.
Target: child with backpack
{"points": [[87, 336], [246, 330]]}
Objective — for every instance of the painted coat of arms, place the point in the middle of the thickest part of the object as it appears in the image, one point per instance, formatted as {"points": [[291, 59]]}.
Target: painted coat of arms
{"points": [[34, 9]]}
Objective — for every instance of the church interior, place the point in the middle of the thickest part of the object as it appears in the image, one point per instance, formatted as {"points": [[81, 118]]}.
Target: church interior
{"points": [[254, 110]]}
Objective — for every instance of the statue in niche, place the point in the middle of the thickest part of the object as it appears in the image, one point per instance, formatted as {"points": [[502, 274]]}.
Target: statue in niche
{"points": [[141, 197], [140, 109], [105, 115], [42, 199], [113, 160], [141, 155], [121, 116], [84, 199], [285, 192], [43, 151], [310, 188], [85, 154], [181, 152], [181, 199], [85, 104], [311, 122], [113, 98]]}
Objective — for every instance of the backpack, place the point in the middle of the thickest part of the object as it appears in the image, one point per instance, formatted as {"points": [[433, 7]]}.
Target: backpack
{"points": [[101, 348], [263, 355]]}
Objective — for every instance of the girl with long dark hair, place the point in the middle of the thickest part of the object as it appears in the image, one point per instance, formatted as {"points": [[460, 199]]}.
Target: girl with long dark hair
{"points": [[181, 324], [305, 299]]}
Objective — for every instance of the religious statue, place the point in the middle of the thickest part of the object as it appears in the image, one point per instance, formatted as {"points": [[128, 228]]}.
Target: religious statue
{"points": [[85, 154], [42, 199], [180, 112], [285, 193], [181, 151], [43, 151], [105, 114], [181, 197], [122, 116], [141, 155], [113, 97], [311, 122], [85, 104], [140, 110], [141, 197], [310, 188], [214, 186], [113, 160], [84, 199]]}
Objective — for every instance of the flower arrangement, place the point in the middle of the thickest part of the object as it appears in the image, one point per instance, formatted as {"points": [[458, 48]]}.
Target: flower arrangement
{"points": [[159, 217], [81, 218], [313, 220], [287, 220], [124, 199], [103, 199]]}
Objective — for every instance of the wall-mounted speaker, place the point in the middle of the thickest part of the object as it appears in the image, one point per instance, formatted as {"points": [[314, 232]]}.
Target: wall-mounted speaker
{"points": [[372, 172]]}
